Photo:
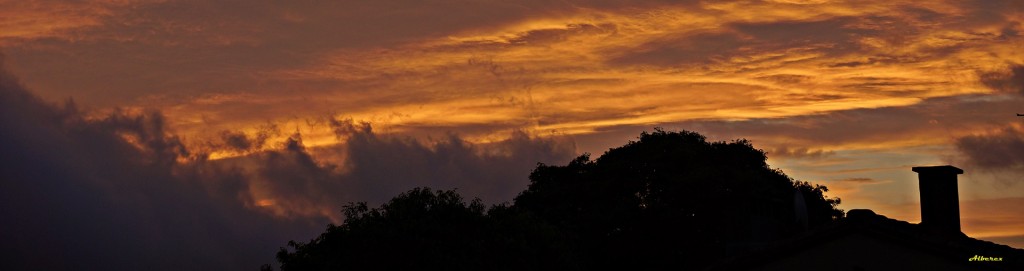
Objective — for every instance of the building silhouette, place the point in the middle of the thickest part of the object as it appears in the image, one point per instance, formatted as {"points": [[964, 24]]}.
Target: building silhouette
{"points": [[865, 240]]}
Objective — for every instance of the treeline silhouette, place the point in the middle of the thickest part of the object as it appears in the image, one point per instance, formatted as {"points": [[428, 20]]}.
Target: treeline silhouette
{"points": [[668, 200]]}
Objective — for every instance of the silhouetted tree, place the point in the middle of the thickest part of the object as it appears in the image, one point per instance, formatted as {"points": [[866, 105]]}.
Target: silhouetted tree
{"points": [[668, 200], [820, 209], [424, 230], [418, 229], [671, 199]]}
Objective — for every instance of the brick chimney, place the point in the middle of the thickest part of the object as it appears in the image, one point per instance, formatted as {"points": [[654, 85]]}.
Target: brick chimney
{"points": [[940, 204]]}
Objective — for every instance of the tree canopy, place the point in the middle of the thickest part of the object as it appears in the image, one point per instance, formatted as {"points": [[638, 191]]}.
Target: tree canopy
{"points": [[430, 230], [668, 200], [671, 199]]}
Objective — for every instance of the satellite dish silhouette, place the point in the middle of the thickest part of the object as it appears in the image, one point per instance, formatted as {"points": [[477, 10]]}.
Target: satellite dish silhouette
{"points": [[800, 209]]}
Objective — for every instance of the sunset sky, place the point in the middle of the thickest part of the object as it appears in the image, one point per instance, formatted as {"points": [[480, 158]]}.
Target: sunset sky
{"points": [[229, 128]]}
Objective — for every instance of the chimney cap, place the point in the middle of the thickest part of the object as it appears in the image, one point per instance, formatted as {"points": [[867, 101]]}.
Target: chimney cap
{"points": [[947, 169], [860, 214]]}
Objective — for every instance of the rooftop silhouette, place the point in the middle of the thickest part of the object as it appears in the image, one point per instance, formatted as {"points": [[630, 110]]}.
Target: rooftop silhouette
{"points": [[864, 240]]}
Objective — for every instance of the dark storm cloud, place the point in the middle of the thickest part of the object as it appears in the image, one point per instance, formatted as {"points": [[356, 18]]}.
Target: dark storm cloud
{"points": [[242, 142], [547, 36], [989, 12], [292, 183], [834, 36], [121, 192], [1001, 150], [299, 181], [109, 194], [495, 172], [861, 180], [837, 33], [238, 141], [1011, 81]]}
